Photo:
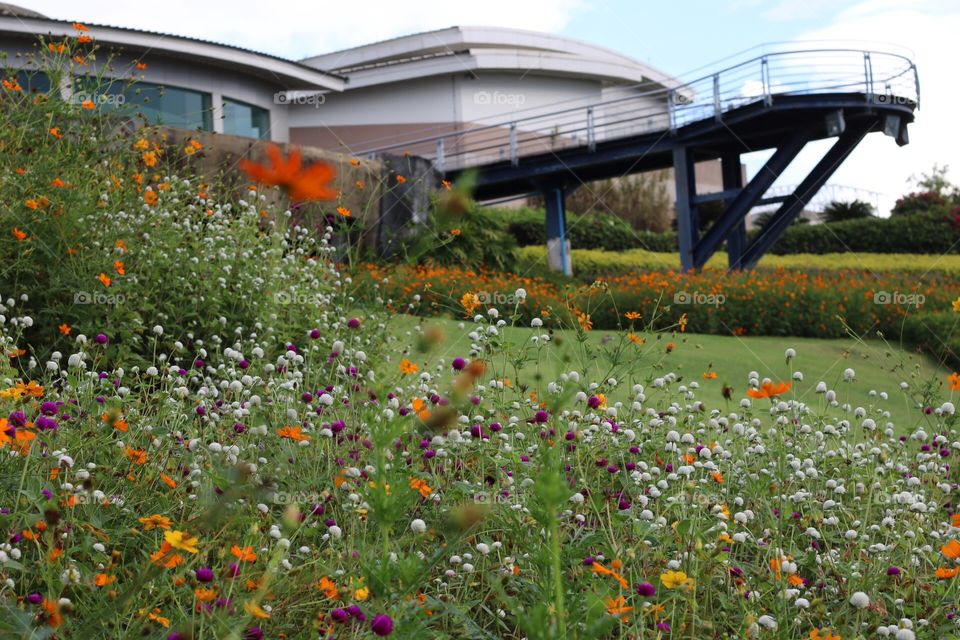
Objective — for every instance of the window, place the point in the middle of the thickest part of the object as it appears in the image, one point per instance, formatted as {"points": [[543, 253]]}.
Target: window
{"points": [[33, 81], [171, 106], [242, 119]]}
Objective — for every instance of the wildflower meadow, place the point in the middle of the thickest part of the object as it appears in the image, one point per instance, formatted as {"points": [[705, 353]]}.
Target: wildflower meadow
{"points": [[216, 421]]}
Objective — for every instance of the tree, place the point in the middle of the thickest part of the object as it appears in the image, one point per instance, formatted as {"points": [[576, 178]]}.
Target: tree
{"points": [[839, 211]]}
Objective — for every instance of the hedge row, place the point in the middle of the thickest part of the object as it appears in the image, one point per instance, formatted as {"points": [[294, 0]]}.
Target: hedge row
{"points": [[934, 232], [589, 264]]}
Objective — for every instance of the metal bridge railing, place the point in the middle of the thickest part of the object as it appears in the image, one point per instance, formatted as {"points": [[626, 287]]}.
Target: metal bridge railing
{"points": [[881, 77]]}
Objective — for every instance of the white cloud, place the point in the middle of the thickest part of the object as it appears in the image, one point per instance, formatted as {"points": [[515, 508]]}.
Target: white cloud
{"points": [[929, 30], [302, 28]]}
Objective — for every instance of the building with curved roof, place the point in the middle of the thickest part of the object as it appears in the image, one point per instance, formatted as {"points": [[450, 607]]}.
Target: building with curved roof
{"points": [[183, 82], [459, 78]]}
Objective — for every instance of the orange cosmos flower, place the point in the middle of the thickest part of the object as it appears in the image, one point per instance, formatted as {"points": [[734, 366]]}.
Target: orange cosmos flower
{"points": [[102, 579], [57, 182], [140, 66], [618, 606], [79, 27], [406, 367], [136, 456], [954, 381], [955, 520], [635, 339], [181, 540], [292, 433], [55, 132], [632, 315], [244, 554], [943, 573], [420, 486], [204, 595], [19, 235], [84, 39], [343, 211], [329, 588], [599, 569], [302, 184], [88, 105], [119, 268], [150, 197], [469, 302], [420, 408], [155, 522], [64, 329], [401, 180], [255, 610], [164, 557], [583, 319], [167, 480], [12, 85], [770, 390], [951, 550], [104, 279], [710, 375]]}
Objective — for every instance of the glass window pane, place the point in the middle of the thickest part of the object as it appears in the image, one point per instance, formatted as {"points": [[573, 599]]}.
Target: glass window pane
{"points": [[242, 119], [33, 81], [171, 106]]}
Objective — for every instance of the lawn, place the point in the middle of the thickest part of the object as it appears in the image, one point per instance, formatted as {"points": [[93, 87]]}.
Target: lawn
{"points": [[879, 367]]}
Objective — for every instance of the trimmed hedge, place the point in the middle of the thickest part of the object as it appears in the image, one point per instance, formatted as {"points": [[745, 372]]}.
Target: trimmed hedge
{"points": [[589, 264], [934, 232]]}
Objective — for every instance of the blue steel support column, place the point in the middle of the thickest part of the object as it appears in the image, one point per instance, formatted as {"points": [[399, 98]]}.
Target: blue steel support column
{"points": [[558, 254], [733, 179], [687, 224]]}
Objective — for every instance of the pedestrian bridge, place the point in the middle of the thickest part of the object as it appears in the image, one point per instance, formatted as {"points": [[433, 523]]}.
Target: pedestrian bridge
{"points": [[777, 101]]}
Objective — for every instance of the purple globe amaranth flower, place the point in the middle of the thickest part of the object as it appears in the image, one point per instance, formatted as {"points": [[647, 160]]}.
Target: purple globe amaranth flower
{"points": [[34, 598], [459, 364], [355, 612], [205, 574], [244, 364], [893, 571], [176, 635], [541, 416], [353, 323], [101, 338], [49, 408], [307, 397], [593, 402], [381, 625], [314, 334], [253, 633], [17, 419], [201, 411], [339, 615], [646, 590], [43, 423]]}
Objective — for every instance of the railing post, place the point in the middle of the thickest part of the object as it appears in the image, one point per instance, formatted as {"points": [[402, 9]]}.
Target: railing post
{"points": [[716, 97], [868, 75], [514, 160], [591, 134], [438, 162], [672, 109], [916, 83], [765, 81]]}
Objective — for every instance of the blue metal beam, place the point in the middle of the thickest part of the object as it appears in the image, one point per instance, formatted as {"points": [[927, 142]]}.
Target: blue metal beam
{"points": [[802, 195], [684, 173], [748, 197], [732, 182], [557, 255]]}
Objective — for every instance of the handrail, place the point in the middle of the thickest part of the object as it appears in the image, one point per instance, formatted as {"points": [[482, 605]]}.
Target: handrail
{"points": [[757, 79]]}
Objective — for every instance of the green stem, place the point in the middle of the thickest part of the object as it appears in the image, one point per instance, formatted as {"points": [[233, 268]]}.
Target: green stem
{"points": [[557, 577]]}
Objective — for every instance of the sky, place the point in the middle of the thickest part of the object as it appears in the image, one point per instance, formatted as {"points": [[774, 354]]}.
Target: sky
{"points": [[679, 37]]}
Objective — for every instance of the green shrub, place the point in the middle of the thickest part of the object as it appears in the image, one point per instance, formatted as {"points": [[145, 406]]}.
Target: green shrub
{"points": [[931, 232], [591, 231]]}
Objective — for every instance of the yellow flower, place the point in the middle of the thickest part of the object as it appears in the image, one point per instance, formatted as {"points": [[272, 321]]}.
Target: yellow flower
{"points": [[181, 540], [674, 579], [956, 305], [361, 594], [155, 522], [255, 610]]}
